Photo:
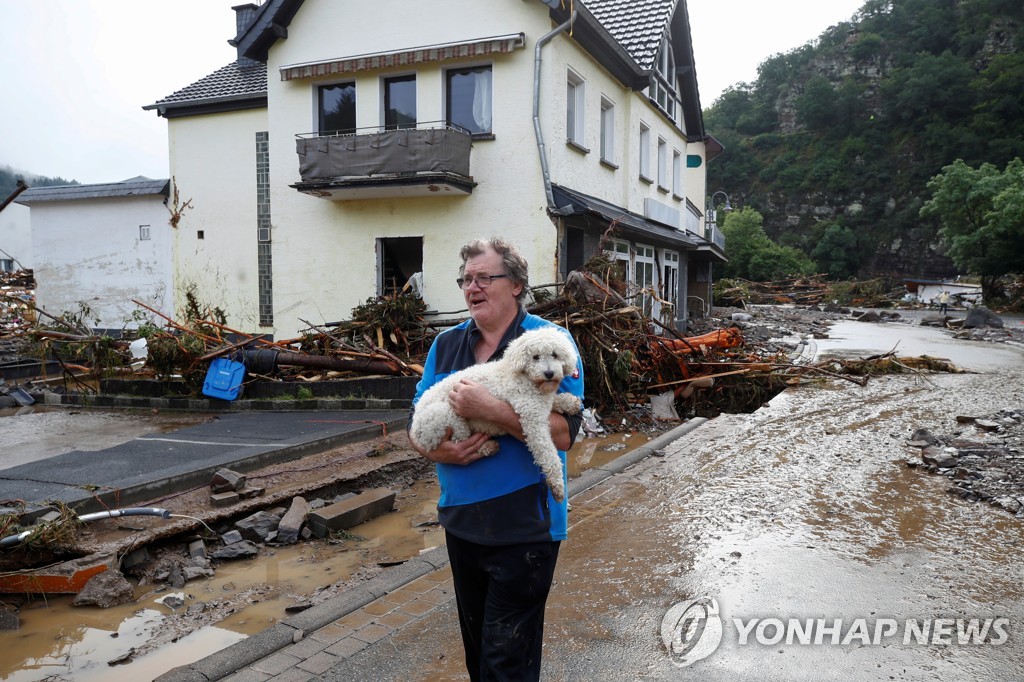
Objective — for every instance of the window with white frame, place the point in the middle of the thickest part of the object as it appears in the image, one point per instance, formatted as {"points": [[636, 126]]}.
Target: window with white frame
{"points": [[669, 286], [575, 108], [645, 152], [336, 104], [677, 173], [663, 81], [400, 102], [607, 131], [468, 98], [143, 232], [662, 164], [643, 276]]}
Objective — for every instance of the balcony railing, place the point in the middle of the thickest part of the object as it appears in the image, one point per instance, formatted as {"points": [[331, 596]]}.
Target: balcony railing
{"points": [[715, 236], [428, 159]]}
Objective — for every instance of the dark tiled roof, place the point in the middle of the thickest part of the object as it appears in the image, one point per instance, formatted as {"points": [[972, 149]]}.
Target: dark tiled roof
{"points": [[238, 80], [138, 186], [637, 25]]}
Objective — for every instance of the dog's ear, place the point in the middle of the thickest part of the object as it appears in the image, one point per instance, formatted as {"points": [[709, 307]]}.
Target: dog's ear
{"points": [[518, 354], [569, 361]]}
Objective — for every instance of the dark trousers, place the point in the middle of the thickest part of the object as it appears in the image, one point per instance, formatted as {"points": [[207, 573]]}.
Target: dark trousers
{"points": [[501, 593]]}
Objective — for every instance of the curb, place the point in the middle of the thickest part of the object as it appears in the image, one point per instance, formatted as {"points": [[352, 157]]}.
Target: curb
{"points": [[231, 659], [141, 492]]}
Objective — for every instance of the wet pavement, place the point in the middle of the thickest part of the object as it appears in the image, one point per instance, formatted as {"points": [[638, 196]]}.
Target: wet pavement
{"points": [[825, 556], [147, 463], [801, 511]]}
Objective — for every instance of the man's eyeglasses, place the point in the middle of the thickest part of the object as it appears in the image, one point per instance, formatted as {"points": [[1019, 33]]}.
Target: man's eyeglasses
{"points": [[482, 281]]}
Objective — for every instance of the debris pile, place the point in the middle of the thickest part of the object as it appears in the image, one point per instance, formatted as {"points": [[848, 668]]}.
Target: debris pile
{"points": [[984, 458], [812, 290], [17, 312]]}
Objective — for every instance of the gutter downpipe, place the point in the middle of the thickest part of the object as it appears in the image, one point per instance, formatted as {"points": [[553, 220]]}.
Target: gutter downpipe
{"points": [[536, 115]]}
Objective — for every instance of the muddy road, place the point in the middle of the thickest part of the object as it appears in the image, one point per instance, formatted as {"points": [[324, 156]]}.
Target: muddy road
{"points": [[803, 510]]}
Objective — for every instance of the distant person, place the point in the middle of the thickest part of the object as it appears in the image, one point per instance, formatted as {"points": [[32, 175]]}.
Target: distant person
{"points": [[943, 302]]}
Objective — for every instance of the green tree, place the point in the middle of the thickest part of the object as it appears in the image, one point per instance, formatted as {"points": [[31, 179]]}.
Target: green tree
{"points": [[753, 255], [836, 252], [981, 217]]}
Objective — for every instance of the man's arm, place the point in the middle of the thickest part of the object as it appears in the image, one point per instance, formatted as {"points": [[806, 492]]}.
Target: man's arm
{"points": [[471, 400]]}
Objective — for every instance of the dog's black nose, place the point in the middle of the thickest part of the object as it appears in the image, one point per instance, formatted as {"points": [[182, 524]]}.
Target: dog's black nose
{"points": [[548, 374]]}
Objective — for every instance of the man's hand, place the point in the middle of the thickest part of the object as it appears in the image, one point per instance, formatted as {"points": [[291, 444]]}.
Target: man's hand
{"points": [[471, 400], [455, 452]]}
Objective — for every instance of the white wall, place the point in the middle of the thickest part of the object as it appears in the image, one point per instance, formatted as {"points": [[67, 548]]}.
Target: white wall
{"points": [[89, 251], [585, 172], [16, 235], [324, 251], [213, 159]]}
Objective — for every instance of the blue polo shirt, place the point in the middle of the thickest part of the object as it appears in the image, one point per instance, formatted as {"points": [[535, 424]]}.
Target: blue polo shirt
{"points": [[502, 499]]}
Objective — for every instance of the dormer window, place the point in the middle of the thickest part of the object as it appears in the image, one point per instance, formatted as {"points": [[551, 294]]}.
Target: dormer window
{"points": [[663, 80]]}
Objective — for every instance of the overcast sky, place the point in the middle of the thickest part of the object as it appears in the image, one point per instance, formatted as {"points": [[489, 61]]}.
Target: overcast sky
{"points": [[76, 73]]}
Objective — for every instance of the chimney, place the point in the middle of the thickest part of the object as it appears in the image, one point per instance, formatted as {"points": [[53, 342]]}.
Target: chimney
{"points": [[244, 15]]}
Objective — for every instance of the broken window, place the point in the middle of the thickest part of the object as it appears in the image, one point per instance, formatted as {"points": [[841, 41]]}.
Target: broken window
{"points": [[337, 105], [468, 99], [400, 102], [574, 249], [399, 265]]}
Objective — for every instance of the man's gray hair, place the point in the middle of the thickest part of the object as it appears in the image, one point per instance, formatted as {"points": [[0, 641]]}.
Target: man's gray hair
{"points": [[513, 261]]}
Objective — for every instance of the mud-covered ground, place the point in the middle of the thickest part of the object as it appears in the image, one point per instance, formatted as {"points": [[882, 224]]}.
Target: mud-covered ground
{"points": [[980, 450]]}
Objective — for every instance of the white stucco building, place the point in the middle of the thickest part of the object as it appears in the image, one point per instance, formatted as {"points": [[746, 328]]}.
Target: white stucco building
{"points": [[352, 145], [101, 246]]}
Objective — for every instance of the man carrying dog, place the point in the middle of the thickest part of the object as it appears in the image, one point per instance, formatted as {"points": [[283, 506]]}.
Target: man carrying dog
{"points": [[502, 526]]}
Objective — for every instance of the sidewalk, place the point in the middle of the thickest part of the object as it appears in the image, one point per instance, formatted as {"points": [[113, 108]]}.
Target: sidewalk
{"points": [[409, 608], [158, 464]]}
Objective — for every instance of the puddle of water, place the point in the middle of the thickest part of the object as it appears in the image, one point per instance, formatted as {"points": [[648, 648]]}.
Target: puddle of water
{"points": [[36, 432], [596, 451]]}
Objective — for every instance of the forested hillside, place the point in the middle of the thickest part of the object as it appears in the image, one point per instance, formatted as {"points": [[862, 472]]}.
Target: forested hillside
{"points": [[9, 180], [836, 140]]}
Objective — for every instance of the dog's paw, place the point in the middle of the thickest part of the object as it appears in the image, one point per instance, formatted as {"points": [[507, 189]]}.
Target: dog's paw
{"points": [[567, 403], [488, 448]]}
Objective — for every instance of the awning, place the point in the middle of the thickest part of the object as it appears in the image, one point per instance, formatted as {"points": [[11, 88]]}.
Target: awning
{"points": [[477, 47], [632, 225]]}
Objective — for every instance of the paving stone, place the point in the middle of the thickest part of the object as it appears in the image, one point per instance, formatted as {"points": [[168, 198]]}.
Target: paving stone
{"points": [[437, 596], [320, 663], [418, 607], [332, 633], [247, 675], [379, 608], [346, 647], [307, 648], [372, 632], [356, 619], [276, 663], [223, 499], [395, 620]]}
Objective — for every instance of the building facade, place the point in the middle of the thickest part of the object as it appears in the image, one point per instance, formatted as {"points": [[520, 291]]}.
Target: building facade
{"points": [[353, 148]]}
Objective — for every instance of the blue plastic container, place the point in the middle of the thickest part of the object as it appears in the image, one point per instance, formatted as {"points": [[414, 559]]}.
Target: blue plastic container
{"points": [[224, 379]]}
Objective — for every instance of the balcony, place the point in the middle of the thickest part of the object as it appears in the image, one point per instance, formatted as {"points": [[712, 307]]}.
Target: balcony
{"points": [[431, 159], [715, 236]]}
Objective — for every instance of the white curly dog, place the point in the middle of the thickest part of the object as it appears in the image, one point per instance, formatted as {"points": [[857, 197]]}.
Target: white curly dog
{"points": [[526, 377]]}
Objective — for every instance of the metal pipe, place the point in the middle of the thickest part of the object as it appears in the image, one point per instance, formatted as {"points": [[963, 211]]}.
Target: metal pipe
{"points": [[12, 540], [536, 110]]}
